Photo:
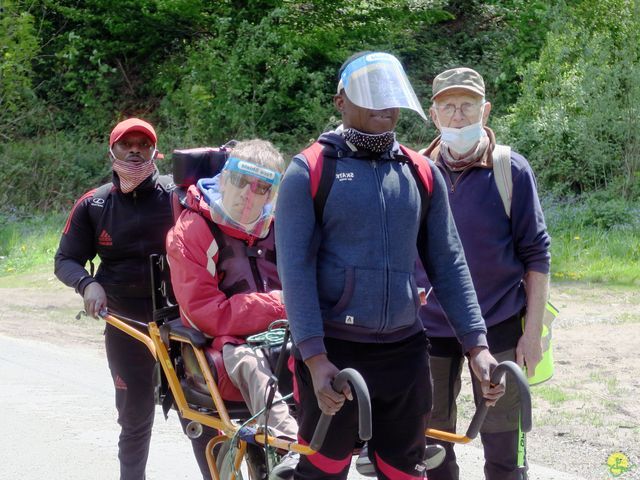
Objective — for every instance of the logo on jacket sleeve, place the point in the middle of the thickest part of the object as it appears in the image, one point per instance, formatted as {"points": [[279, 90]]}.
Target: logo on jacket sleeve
{"points": [[105, 239], [349, 319]]}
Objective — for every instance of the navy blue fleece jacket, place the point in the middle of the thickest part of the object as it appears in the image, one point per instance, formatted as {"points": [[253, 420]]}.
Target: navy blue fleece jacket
{"points": [[499, 249], [351, 276]]}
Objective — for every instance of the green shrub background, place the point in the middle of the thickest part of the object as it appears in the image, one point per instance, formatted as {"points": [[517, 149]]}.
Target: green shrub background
{"points": [[564, 78]]}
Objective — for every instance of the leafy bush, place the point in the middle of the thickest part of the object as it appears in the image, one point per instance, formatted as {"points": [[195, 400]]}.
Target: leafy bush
{"points": [[205, 72], [247, 83], [578, 117], [96, 60], [604, 210], [19, 106], [49, 173], [608, 213], [275, 77], [498, 38]]}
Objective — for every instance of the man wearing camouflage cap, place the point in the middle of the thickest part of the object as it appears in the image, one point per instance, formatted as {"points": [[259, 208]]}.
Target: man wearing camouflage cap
{"points": [[506, 244]]}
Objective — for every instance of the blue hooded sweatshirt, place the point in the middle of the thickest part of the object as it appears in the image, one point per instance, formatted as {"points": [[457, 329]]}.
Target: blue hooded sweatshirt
{"points": [[351, 275]]}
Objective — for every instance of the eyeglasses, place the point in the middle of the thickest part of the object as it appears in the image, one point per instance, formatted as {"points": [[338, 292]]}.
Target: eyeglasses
{"points": [[257, 186], [469, 110]]}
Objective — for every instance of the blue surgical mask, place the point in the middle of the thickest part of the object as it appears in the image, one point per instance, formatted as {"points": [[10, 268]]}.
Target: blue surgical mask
{"points": [[461, 140]]}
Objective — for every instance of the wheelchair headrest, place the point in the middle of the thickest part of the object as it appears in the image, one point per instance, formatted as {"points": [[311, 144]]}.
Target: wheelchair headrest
{"points": [[190, 165]]}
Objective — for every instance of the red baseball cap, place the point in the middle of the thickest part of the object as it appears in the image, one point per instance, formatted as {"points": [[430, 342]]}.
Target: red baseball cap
{"points": [[132, 125]]}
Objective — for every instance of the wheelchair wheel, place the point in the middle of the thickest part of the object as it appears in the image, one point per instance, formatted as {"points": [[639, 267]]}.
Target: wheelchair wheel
{"points": [[254, 460], [224, 461]]}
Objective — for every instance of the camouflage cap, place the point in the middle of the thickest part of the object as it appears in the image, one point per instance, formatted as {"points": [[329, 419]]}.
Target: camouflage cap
{"points": [[458, 79]]}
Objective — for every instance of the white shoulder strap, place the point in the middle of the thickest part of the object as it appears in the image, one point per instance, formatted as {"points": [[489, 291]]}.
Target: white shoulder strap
{"points": [[502, 175]]}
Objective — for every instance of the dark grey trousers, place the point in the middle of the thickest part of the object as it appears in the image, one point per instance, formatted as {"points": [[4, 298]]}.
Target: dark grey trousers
{"points": [[499, 434]]}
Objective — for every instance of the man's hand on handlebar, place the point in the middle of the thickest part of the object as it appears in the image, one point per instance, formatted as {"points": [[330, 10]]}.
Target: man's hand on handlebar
{"points": [[482, 364], [322, 374], [95, 299]]}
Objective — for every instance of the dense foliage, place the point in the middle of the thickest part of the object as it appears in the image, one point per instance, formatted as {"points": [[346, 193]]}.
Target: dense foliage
{"points": [[578, 118], [563, 77]]}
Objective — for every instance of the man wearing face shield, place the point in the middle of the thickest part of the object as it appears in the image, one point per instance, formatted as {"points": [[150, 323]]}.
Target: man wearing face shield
{"points": [[508, 257], [122, 222], [348, 279], [224, 276]]}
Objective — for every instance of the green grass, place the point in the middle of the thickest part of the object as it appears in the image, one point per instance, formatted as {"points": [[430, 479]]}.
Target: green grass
{"points": [[28, 244], [580, 251], [552, 394], [596, 255], [629, 318], [37, 277], [594, 239]]}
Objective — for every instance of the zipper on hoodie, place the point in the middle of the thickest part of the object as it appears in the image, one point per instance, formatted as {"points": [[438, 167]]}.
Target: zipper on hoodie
{"points": [[385, 247]]}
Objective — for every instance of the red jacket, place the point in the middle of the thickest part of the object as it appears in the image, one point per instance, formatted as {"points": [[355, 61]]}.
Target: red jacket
{"points": [[201, 265]]}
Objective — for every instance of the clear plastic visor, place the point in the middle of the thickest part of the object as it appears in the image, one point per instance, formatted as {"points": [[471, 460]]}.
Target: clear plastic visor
{"points": [[242, 196], [377, 81]]}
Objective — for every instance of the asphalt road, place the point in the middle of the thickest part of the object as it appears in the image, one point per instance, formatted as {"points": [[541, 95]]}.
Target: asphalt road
{"points": [[57, 419]]}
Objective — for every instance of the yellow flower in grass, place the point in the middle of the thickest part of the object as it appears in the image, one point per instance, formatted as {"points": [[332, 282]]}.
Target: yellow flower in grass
{"points": [[618, 464]]}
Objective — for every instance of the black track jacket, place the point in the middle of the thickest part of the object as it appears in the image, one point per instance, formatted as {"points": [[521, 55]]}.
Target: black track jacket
{"points": [[123, 230]]}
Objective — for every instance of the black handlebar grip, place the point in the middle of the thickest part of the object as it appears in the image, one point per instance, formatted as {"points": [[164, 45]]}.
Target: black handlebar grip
{"points": [[364, 407], [523, 393]]}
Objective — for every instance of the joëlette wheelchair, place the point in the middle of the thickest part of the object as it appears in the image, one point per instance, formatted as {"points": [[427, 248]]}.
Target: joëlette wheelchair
{"points": [[190, 376]]}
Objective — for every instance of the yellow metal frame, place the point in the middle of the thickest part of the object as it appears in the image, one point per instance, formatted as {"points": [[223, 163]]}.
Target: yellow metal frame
{"points": [[446, 436], [222, 422]]}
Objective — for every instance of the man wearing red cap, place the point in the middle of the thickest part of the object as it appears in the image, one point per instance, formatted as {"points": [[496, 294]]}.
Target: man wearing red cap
{"points": [[122, 222]]}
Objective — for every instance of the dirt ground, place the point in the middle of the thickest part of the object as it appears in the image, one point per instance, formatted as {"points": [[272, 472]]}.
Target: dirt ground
{"points": [[586, 415]]}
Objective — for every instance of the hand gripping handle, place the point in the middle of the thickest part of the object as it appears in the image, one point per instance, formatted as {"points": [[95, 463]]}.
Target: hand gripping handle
{"points": [[523, 392], [364, 407]]}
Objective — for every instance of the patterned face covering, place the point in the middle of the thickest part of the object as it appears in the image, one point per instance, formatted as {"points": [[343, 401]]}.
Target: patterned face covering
{"points": [[132, 174], [379, 143]]}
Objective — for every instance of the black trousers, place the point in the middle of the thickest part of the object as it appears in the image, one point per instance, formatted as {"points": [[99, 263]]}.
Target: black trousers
{"points": [[397, 376], [131, 366]]}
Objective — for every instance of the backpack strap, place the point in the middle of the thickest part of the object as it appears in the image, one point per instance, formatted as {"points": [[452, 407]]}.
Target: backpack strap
{"points": [[421, 167], [502, 175], [98, 203], [321, 176], [423, 177]]}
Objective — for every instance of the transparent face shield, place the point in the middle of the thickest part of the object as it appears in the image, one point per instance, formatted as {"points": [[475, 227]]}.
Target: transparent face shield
{"points": [[243, 196], [377, 81]]}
